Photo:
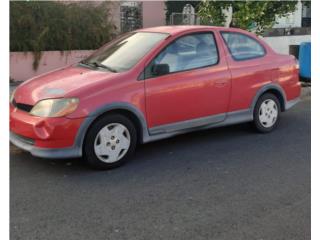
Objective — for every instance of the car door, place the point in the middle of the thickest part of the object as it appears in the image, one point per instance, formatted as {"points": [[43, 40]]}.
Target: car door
{"points": [[194, 90]]}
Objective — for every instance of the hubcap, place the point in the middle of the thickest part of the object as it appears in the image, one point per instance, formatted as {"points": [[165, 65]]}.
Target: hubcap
{"points": [[112, 142], [268, 113]]}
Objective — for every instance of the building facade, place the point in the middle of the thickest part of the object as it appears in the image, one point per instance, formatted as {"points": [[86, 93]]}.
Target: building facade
{"points": [[290, 30], [129, 15]]}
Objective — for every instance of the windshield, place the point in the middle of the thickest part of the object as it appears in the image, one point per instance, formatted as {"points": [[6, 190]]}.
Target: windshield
{"points": [[125, 52]]}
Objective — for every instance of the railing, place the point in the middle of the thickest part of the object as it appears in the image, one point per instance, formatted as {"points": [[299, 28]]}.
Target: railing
{"points": [[276, 32], [184, 19]]}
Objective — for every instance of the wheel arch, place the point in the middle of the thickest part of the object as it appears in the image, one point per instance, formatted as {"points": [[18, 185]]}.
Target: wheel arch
{"points": [[126, 109], [274, 89], [127, 113]]}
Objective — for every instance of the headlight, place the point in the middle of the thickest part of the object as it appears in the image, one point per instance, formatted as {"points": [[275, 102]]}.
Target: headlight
{"points": [[55, 107], [12, 95]]}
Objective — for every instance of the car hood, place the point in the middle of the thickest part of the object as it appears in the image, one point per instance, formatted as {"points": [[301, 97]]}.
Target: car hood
{"points": [[59, 83]]}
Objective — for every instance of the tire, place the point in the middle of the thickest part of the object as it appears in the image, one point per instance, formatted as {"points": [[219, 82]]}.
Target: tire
{"points": [[110, 142], [266, 113]]}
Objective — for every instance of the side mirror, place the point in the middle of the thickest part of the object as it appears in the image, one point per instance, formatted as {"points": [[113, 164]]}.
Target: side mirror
{"points": [[160, 69]]}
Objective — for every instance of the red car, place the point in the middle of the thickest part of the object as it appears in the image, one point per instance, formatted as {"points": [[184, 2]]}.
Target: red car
{"points": [[152, 84]]}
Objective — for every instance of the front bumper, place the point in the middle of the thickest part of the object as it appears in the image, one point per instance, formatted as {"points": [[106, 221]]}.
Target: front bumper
{"points": [[44, 137], [20, 142]]}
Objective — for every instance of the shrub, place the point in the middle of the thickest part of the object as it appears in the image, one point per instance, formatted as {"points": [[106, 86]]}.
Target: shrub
{"points": [[43, 26]]}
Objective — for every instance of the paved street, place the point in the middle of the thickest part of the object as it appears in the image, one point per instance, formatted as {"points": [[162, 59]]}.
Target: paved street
{"points": [[228, 183]]}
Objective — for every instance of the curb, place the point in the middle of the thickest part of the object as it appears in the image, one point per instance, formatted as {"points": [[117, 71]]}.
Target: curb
{"points": [[305, 92]]}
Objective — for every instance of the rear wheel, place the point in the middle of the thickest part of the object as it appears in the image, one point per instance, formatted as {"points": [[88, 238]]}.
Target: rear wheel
{"points": [[266, 113], [110, 141]]}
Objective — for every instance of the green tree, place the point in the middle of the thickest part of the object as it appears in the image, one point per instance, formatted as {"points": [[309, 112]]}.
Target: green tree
{"points": [[250, 15], [213, 12]]}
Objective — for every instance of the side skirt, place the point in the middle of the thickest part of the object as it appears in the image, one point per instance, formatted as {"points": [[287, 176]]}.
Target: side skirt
{"points": [[219, 120], [291, 103]]}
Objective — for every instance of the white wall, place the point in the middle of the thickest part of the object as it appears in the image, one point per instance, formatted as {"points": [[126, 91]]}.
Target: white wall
{"points": [[21, 63], [281, 44], [292, 20]]}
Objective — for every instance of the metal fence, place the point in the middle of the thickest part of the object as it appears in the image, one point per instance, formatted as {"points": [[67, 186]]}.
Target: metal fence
{"points": [[131, 16], [184, 19], [275, 32]]}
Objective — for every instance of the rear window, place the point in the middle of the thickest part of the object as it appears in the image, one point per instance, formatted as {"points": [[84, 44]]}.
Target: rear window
{"points": [[243, 47]]}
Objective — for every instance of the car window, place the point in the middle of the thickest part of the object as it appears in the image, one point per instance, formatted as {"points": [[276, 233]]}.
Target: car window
{"points": [[188, 52], [123, 54], [242, 47]]}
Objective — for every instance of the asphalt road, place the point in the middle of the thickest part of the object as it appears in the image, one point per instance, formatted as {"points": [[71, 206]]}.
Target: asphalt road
{"points": [[228, 183]]}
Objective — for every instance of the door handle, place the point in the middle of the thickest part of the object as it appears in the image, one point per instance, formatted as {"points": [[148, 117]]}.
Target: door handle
{"points": [[220, 83]]}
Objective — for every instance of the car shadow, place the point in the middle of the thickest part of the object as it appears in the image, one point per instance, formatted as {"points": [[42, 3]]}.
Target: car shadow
{"points": [[218, 146], [175, 152], [150, 155]]}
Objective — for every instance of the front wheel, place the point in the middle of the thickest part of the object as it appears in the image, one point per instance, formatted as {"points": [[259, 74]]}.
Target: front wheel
{"points": [[110, 141], [266, 113]]}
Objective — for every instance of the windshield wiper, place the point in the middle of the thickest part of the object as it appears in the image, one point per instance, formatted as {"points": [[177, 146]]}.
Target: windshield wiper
{"points": [[97, 64], [84, 62]]}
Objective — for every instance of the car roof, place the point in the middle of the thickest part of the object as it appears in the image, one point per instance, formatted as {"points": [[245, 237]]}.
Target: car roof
{"points": [[173, 30]]}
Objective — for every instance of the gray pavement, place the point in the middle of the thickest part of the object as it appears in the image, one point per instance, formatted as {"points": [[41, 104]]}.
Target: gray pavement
{"points": [[229, 183]]}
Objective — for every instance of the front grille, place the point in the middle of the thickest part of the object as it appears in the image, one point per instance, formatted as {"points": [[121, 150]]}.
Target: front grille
{"points": [[23, 139], [22, 106]]}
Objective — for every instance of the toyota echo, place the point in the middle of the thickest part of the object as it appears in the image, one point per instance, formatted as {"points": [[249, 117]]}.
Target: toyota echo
{"points": [[152, 84]]}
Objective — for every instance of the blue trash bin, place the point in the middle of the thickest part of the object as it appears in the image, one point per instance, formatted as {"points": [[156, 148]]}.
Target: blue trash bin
{"points": [[305, 60]]}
